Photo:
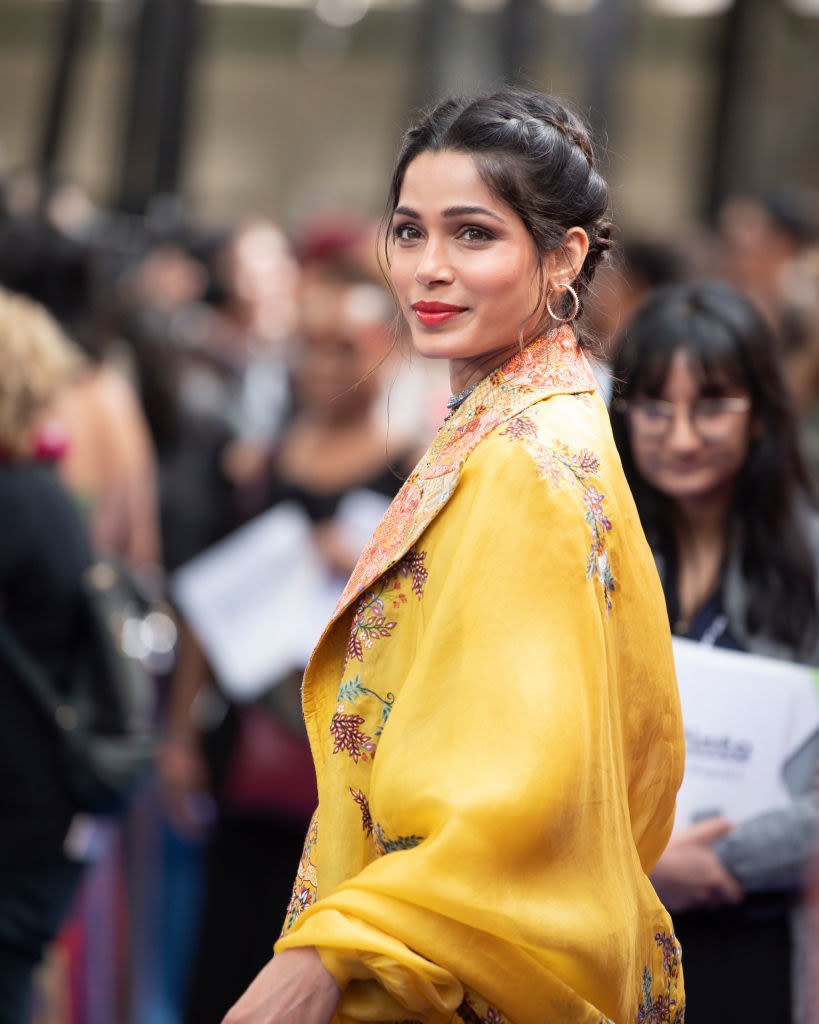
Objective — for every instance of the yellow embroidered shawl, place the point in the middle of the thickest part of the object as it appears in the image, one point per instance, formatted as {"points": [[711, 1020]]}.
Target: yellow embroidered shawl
{"points": [[496, 729]]}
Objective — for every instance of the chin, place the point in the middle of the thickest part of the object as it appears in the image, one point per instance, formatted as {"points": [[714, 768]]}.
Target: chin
{"points": [[690, 490], [431, 346]]}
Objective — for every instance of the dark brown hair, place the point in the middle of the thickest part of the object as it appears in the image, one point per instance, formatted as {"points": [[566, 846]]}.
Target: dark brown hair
{"points": [[533, 154], [730, 345]]}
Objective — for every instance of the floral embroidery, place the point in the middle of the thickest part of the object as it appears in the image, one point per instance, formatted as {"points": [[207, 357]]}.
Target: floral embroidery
{"points": [[353, 689], [345, 729], [551, 365], [306, 883], [598, 560], [387, 845], [663, 1008], [412, 565], [474, 1010], [370, 622], [364, 804], [560, 369], [558, 463], [520, 426]]}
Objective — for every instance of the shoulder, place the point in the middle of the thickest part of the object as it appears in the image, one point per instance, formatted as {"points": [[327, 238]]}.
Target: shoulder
{"points": [[551, 476], [34, 497], [24, 483], [34, 508], [562, 442]]}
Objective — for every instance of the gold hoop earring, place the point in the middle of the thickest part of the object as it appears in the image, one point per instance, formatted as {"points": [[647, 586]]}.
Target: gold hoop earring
{"points": [[575, 306]]}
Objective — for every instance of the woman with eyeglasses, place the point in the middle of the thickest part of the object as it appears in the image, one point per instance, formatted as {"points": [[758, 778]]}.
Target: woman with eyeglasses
{"points": [[708, 439]]}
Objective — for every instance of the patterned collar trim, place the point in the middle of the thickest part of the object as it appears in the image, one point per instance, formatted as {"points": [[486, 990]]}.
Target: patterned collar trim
{"points": [[551, 365]]}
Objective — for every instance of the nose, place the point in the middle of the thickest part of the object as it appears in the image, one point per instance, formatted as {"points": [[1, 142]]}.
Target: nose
{"points": [[433, 265], [683, 437]]}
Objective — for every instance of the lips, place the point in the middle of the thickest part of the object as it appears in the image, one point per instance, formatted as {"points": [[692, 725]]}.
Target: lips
{"points": [[431, 313]]}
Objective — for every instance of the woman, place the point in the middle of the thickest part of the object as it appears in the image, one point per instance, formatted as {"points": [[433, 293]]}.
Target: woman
{"points": [[44, 552], [708, 440], [492, 708]]}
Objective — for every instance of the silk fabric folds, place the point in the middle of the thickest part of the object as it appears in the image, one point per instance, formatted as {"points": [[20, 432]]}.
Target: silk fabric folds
{"points": [[496, 730]]}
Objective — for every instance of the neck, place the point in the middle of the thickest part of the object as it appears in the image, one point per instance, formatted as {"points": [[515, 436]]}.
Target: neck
{"points": [[463, 373], [702, 521]]}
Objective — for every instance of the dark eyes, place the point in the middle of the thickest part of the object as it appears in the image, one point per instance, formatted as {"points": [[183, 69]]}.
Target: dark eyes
{"points": [[469, 233], [474, 234], [405, 233]]}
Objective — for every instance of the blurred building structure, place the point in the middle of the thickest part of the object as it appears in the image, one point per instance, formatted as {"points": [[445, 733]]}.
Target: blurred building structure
{"points": [[283, 106]]}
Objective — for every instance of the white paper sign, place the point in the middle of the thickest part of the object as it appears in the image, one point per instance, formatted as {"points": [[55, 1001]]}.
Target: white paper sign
{"points": [[744, 716], [259, 600]]}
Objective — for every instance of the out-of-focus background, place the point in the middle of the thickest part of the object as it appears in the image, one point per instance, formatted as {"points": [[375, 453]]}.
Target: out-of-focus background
{"points": [[191, 188], [276, 107]]}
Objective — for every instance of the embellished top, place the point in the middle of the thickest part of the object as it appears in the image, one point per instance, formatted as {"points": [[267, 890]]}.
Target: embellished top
{"points": [[496, 730]]}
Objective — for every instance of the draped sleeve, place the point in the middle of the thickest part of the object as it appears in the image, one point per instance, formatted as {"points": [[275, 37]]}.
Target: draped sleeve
{"points": [[487, 854]]}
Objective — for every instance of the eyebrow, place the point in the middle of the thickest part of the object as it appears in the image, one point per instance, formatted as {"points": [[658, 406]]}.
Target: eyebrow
{"points": [[452, 211]]}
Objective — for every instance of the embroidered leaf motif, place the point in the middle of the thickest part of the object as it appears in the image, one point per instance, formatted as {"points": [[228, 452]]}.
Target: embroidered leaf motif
{"points": [[412, 566], [387, 845], [354, 646], [370, 622], [414, 561], [663, 1008], [558, 463], [348, 736], [364, 804], [353, 689]]}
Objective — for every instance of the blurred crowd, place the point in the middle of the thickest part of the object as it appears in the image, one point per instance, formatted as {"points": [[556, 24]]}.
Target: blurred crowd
{"points": [[210, 376]]}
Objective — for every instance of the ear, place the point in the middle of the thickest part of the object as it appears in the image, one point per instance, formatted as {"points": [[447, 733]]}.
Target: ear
{"points": [[565, 261]]}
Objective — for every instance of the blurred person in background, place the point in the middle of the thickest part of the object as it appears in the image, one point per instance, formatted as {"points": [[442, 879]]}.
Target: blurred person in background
{"points": [[160, 309], [707, 434], [57, 255], [765, 250], [236, 368], [110, 465], [638, 266], [334, 444], [44, 552]]}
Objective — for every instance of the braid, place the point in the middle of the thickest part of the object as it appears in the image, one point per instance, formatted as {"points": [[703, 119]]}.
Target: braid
{"points": [[574, 134], [534, 154]]}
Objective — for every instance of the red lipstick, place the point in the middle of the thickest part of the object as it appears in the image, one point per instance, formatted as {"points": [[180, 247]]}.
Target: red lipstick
{"points": [[432, 313]]}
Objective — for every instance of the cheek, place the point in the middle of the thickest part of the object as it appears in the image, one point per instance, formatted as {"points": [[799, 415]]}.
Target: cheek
{"points": [[515, 282], [736, 454], [400, 274], [645, 456]]}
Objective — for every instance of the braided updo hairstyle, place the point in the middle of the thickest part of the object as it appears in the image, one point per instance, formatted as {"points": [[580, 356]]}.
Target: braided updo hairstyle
{"points": [[533, 154]]}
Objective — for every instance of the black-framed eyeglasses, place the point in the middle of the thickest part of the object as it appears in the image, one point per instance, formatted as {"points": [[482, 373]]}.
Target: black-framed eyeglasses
{"points": [[711, 418]]}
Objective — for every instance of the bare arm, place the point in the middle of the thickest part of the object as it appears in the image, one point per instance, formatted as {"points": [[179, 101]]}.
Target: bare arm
{"points": [[294, 988]]}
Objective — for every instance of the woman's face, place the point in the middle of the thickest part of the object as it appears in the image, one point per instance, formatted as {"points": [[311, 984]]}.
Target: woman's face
{"points": [[695, 451], [463, 265]]}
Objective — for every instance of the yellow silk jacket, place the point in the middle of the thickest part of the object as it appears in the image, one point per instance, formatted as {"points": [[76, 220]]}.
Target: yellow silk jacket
{"points": [[496, 731]]}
